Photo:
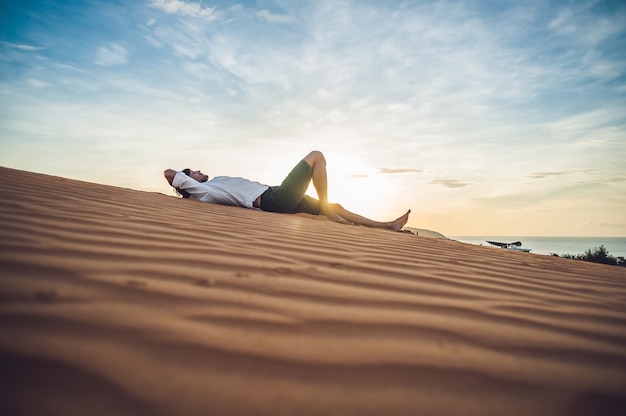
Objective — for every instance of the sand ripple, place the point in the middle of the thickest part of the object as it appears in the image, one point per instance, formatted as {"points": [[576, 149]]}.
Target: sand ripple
{"points": [[114, 301]]}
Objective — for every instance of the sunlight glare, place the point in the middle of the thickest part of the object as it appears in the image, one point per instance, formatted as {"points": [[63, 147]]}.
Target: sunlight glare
{"points": [[352, 183]]}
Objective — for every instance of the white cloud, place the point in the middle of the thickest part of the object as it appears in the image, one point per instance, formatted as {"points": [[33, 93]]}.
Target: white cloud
{"points": [[184, 8], [22, 47], [273, 18], [111, 55], [587, 27], [394, 171], [542, 175], [449, 183], [37, 83]]}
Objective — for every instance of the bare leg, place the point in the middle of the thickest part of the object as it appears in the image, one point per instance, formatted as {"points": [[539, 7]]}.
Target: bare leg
{"points": [[395, 225], [319, 176], [336, 212]]}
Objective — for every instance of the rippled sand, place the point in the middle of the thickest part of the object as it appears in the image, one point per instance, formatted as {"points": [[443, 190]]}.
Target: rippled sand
{"points": [[115, 301]]}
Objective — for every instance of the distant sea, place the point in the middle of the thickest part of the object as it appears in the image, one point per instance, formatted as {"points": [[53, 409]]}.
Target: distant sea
{"points": [[616, 246]]}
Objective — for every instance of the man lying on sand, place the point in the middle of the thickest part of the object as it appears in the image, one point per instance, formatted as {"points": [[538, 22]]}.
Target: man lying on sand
{"points": [[289, 197]]}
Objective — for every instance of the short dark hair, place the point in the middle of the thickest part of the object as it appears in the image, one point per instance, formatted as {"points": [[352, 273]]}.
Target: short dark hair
{"points": [[182, 192]]}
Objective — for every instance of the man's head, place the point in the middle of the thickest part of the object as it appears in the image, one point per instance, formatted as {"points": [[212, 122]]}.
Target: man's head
{"points": [[196, 174]]}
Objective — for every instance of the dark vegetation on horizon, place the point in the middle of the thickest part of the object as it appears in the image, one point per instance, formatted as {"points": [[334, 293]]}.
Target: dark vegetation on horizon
{"points": [[596, 255]]}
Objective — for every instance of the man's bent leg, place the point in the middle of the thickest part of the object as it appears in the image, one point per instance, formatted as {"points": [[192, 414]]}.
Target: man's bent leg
{"points": [[317, 161], [308, 205], [285, 198]]}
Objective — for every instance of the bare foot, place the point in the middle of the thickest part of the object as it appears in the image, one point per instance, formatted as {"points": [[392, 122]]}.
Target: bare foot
{"points": [[398, 223]]}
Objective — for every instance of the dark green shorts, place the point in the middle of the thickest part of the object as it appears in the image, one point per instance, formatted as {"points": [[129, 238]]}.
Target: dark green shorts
{"points": [[290, 196]]}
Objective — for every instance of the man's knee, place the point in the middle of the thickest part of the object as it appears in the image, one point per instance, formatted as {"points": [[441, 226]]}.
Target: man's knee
{"points": [[315, 158]]}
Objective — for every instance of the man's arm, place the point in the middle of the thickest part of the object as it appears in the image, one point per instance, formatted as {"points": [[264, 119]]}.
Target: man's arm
{"points": [[169, 175]]}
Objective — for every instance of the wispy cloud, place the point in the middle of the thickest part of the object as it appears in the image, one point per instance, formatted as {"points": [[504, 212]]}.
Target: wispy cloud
{"points": [[579, 21], [450, 183], [111, 55], [616, 179], [398, 170], [184, 8], [274, 18], [542, 175], [37, 83], [21, 46]]}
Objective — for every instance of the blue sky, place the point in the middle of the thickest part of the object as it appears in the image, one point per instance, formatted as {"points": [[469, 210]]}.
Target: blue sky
{"points": [[483, 117]]}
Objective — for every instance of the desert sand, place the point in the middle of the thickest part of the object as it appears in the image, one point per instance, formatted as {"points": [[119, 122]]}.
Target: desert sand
{"points": [[121, 302]]}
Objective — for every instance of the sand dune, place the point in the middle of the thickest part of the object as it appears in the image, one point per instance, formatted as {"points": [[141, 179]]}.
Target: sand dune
{"points": [[115, 301]]}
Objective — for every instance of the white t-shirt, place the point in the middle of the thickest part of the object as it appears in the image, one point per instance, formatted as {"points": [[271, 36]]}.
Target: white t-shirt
{"points": [[224, 190]]}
